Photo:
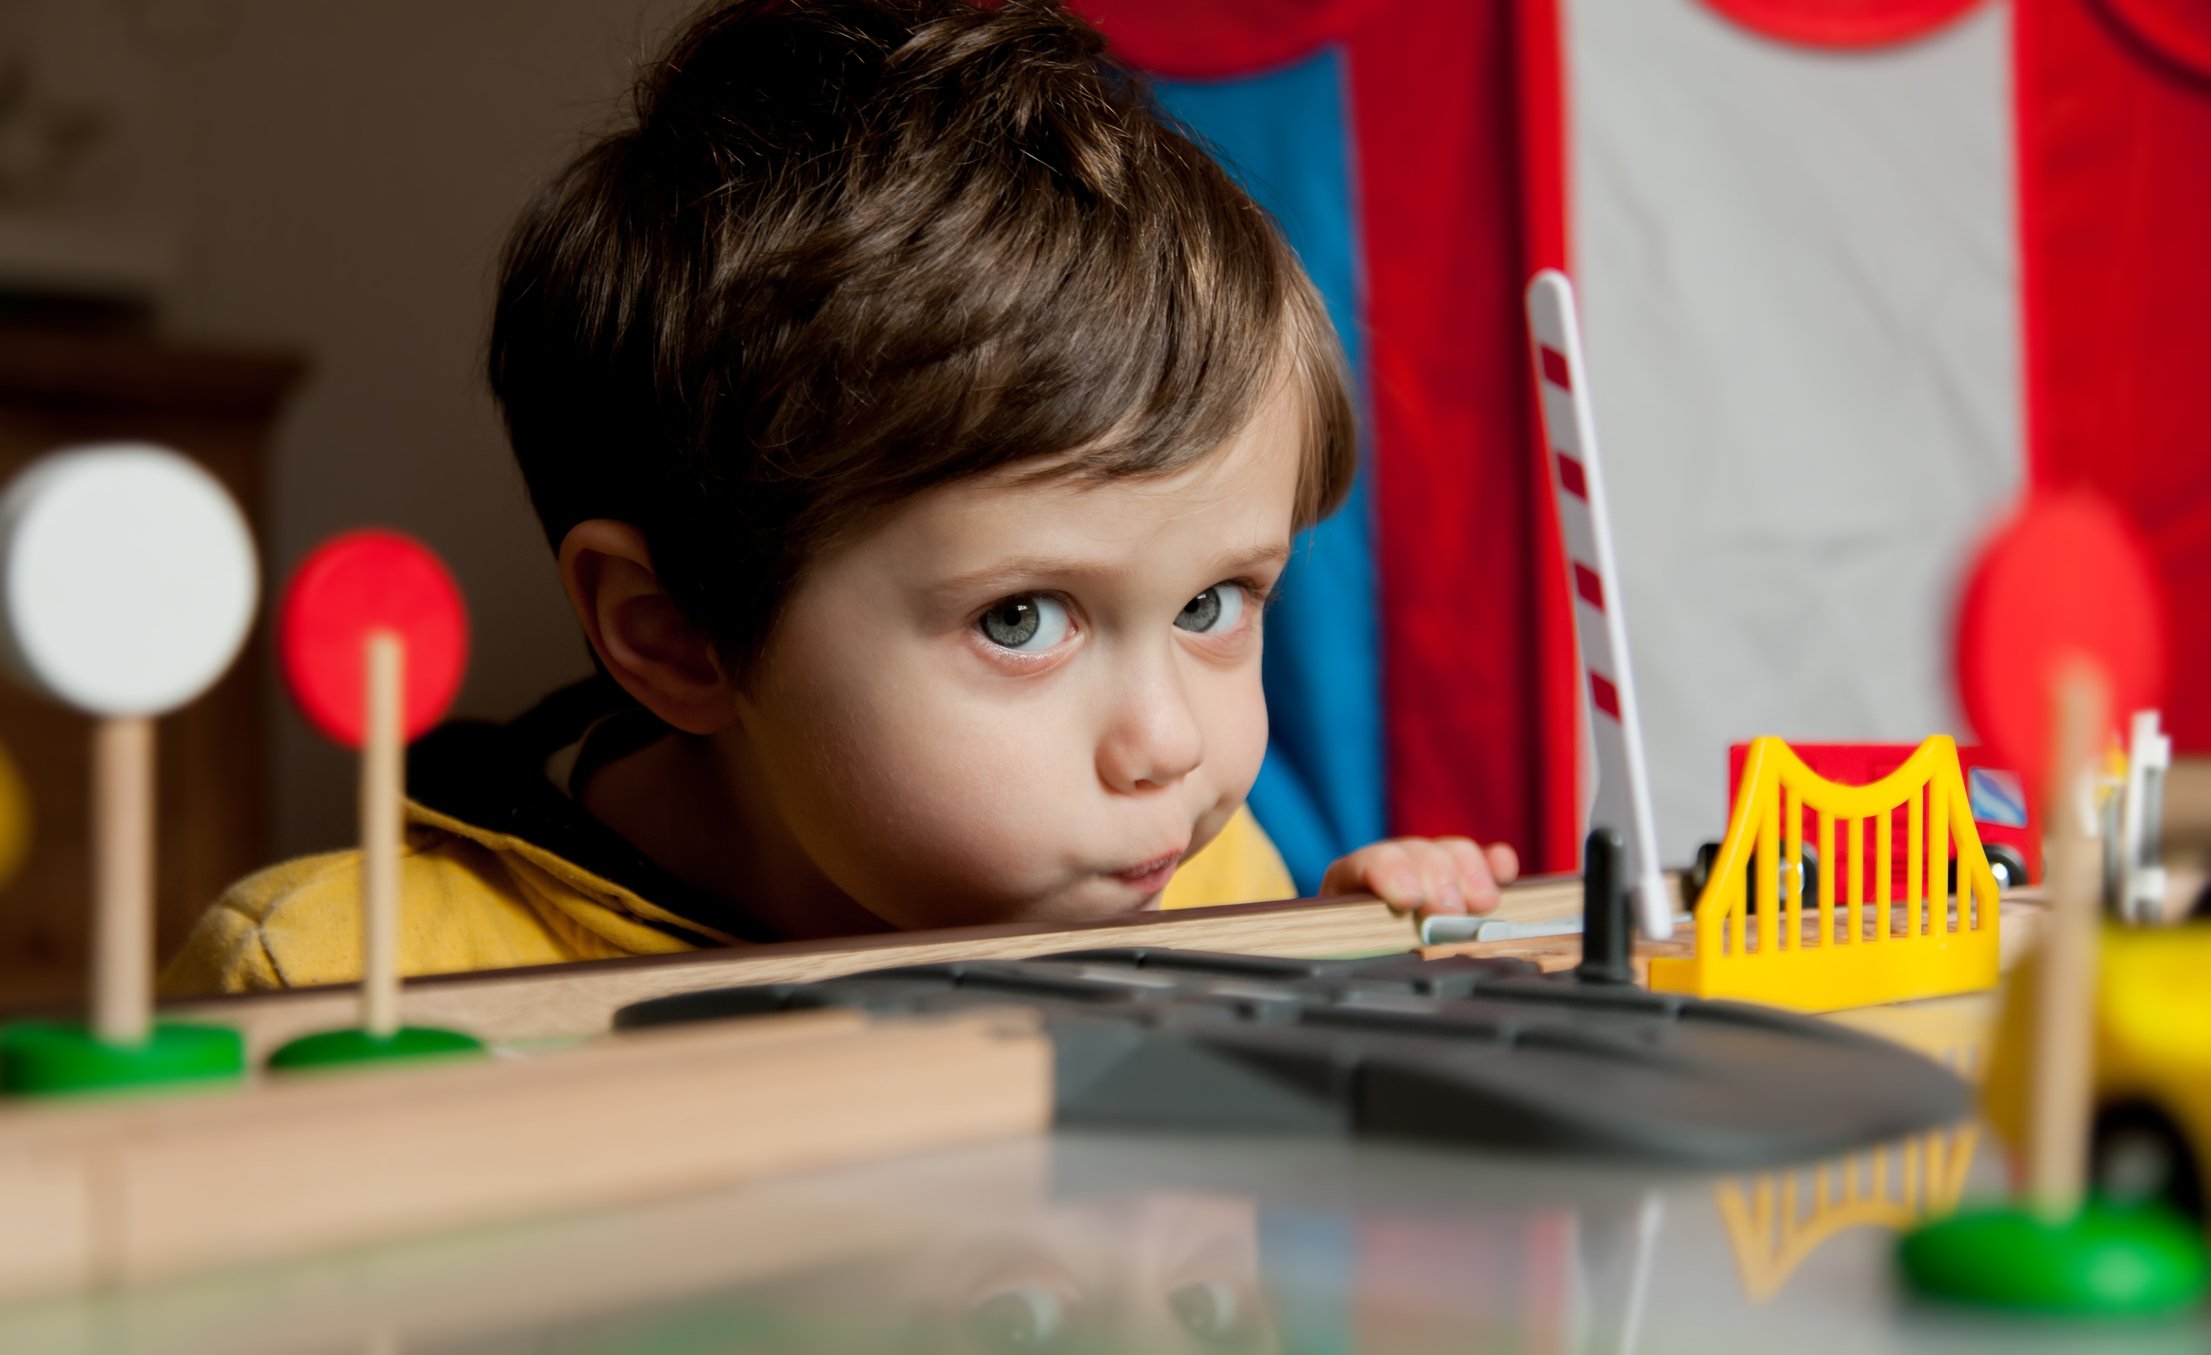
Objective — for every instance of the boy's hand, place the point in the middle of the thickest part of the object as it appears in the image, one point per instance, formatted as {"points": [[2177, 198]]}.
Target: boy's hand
{"points": [[1429, 876]]}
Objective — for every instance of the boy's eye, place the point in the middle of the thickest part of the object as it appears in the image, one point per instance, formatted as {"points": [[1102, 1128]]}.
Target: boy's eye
{"points": [[1217, 608], [1031, 623]]}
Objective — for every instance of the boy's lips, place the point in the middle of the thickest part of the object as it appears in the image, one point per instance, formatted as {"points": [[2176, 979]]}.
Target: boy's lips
{"points": [[1152, 876]]}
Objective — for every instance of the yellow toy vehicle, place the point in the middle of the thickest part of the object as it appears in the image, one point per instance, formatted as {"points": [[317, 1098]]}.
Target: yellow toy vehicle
{"points": [[2152, 1134]]}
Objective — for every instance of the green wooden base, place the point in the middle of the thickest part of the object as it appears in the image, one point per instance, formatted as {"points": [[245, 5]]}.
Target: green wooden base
{"points": [[44, 1058], [2103, 1262], [333, 1048]]}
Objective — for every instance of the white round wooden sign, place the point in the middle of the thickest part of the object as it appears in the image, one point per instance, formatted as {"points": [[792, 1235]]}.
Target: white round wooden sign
{"points": [[127, 579]]}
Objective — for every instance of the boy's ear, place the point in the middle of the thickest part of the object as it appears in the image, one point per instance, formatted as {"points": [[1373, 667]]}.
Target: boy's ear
{"points": [[643, 638]]}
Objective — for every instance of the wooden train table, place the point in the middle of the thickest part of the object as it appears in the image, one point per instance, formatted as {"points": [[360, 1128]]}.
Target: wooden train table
{"points": [[693, 1213]]}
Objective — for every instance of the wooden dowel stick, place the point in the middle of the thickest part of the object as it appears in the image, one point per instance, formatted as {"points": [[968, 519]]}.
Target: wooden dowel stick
{"points": [[382, 751], [122, 878], [2065, 982]]}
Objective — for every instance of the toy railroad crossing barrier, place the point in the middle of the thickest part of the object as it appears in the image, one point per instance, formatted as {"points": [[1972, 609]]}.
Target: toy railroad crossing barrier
{"points": [[1884, 949], [1622, 800]]}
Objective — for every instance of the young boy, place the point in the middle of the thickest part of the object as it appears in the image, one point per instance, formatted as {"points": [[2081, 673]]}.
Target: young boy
{"points": [[921, 425]]}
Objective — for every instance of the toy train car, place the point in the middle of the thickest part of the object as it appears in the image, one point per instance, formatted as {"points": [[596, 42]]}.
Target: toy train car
{"points": [[2008, 826]]}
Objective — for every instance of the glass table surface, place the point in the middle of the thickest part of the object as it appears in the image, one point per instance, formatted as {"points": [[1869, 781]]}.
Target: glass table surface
{"points": [[1078, 1243]]}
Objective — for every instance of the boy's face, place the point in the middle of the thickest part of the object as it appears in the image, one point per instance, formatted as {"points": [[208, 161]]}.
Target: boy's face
{"points": [[1030, 700]]}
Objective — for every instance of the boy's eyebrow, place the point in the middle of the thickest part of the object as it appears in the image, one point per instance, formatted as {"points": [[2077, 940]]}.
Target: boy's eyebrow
{"points": [[1010, 572]]}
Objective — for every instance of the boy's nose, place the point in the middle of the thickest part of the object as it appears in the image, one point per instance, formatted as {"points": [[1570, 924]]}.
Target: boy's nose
{"points": [[1153, 739]]}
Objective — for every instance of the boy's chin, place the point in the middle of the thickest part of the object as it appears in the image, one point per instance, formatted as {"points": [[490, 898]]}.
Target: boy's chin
{"points": [[1092, 900]]}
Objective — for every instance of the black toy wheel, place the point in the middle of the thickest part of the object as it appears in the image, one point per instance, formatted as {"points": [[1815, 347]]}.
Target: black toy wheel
{"points": [[1699, 874], [2139, 1156], [2004, 862], [2007, 864]]}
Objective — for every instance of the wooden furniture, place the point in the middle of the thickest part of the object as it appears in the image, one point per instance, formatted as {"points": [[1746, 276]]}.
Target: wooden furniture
{"points": [[555, 1001], [216, 405], [112, 1190], [119, 1190], [566, 1001]]}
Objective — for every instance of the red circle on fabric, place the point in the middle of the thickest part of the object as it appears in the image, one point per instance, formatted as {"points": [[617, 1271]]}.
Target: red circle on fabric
{"points": [[2066, 577], [1212, 39], [1843, 23], [350, 587], [2178, 29]]}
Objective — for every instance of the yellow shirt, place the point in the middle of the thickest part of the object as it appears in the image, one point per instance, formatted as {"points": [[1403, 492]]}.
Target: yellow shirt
{"points": [[476, 899]]}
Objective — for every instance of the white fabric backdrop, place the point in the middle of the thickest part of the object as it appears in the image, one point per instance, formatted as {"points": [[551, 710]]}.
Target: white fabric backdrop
{"points": [[1797, 276]]}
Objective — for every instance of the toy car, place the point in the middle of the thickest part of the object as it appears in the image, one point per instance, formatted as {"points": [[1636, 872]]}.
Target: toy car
{"points": [[2005, 822]]}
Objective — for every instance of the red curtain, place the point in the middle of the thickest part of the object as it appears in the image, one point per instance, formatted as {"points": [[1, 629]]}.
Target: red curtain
{"points": [[1459, 164], [1545, 209], [2114, 130]]}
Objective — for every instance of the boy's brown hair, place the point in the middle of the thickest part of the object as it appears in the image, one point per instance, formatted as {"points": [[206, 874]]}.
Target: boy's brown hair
{"points": [[848, 250]]}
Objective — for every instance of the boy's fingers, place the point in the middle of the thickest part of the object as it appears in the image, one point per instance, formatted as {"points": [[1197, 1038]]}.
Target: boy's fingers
{"points": [[1369, 869], [1474, 873], [1394, 874], [1442, 889], [1504, 862], [1381, 868], [1432, 875]]}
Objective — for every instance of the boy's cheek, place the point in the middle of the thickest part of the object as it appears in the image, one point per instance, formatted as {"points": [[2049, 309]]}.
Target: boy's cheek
{"points": [[946, 810], [987, 819]]}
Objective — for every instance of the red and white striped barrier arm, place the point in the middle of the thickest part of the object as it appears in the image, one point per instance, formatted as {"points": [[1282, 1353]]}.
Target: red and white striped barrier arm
{"points": [[1623, 798]]}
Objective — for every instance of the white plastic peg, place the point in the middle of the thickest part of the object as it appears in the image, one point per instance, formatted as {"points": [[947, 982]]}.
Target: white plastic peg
{"points": [[2141, 822]]}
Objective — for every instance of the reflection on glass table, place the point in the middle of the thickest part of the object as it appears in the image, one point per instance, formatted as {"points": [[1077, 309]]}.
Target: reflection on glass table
{"points": [[1086, 1244]]}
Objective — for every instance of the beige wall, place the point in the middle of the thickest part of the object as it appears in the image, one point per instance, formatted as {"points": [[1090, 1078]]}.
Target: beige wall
{"points": [[338, 176]]}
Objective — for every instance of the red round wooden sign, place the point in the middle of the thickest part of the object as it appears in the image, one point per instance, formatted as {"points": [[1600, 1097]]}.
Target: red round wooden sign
{"points": [[1843, 23], [2065, 578], [2181, 29], [351, 587]]}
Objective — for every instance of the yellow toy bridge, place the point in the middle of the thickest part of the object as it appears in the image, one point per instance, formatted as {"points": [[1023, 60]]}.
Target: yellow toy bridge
{"points": [[1853, 953]]}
